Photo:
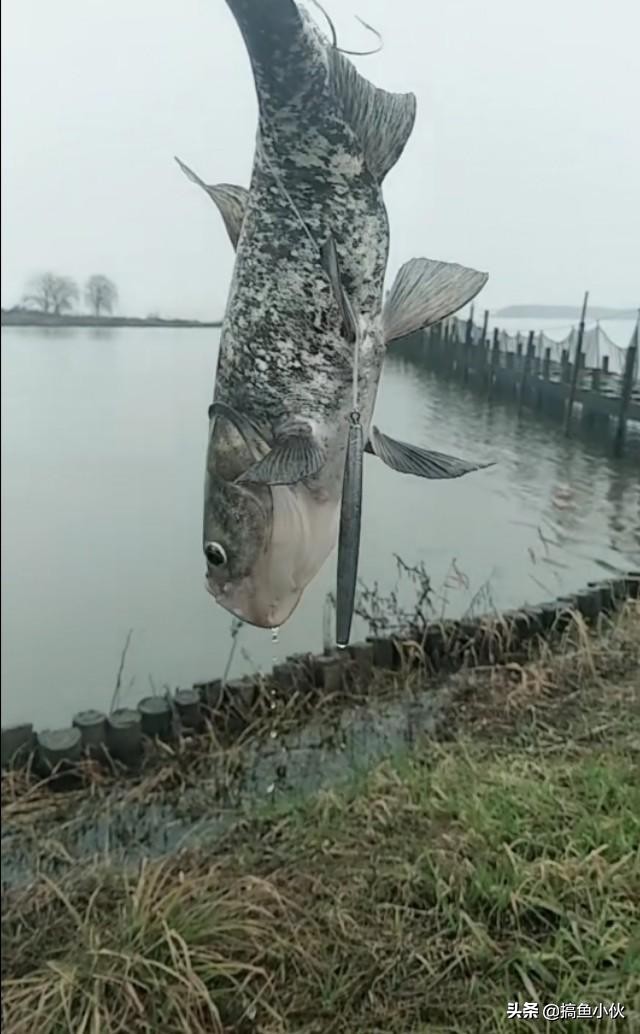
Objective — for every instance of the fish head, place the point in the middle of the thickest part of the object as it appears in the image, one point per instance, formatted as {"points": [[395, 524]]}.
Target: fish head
{"points": [[262, 545], [236, 532]]}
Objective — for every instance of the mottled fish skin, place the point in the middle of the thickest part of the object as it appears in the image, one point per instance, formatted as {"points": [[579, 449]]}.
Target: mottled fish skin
{"points": [[282, 352]]}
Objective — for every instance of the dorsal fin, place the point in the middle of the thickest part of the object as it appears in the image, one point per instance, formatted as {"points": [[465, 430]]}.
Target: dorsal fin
{"points": [[381, 121], [230, 200]]}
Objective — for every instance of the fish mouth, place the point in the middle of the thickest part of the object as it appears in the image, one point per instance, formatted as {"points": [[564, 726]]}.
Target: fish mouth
{"points": [[271, 616]]}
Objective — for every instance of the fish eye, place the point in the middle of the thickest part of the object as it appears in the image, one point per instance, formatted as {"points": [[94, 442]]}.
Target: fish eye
{"points": [[216, 555]]}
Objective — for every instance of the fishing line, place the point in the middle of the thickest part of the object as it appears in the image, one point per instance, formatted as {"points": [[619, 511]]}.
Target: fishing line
{"points": [[236, 625], [334, 35], [355, 415], [365, 53], [288, 198], [315, 244], [356, 412]]}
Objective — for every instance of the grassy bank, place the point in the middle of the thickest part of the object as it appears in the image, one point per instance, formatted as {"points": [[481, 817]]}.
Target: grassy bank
{"points": [[497, 862]]}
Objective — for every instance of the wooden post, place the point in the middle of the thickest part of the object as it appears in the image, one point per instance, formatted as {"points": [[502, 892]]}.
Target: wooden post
{"points": [[576, 368], [241, 693], [468, 345], [531, 348], [485, 325], [589, 411], [452, 355], [93, 729], [633, 585], [362, 656], [187, 703], [156, 718], [328, 673], [59, 745], [385, 654], [430, 352], [546, 364], [124, 734], [17, 744], [210, 693], [517, 364], [537, 361], [439, 340], [480, 353], [537, 371], [494, 362], [423, 345], [444, 342], [625, 398], [237, 702], [605, 364]]}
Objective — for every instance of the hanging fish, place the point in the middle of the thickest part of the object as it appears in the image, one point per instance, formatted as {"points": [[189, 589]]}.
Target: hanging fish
{"points": [[312, 239]]}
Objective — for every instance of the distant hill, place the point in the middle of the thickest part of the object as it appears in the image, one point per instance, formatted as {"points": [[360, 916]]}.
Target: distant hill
{"points": [[19, 317], [565, 312]]}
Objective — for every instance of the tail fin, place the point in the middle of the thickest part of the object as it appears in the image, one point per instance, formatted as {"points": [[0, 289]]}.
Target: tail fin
{"points": [[282, 42], [381, 121]]}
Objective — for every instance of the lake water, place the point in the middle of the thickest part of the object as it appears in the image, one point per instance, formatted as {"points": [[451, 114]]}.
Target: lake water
{"points": [[103, 442]]}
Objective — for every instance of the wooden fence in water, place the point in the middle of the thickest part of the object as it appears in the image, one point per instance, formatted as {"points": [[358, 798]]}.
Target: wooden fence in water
{"points": [[562, 386]]}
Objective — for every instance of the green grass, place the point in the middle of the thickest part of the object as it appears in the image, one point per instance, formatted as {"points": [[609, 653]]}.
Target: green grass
{"points": [[502, 864]]}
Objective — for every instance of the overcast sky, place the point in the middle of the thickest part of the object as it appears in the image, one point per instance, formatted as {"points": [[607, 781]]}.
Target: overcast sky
{"points": [[524, 161]]}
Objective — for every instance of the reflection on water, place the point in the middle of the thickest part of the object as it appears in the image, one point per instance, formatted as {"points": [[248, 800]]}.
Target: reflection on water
{"points": [[103, 441]]}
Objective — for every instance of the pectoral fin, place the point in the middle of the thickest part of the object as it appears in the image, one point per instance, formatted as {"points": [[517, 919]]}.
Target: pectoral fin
{"points": [[425, 292], [295, 456], [331, 266], [230, 199], [410, 459]]}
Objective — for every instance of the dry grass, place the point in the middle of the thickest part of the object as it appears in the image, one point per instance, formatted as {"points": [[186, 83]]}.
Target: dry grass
{"points": [[501, 864]]}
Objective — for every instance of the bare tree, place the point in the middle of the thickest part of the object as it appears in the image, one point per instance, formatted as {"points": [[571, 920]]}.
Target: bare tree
{"points": [[100, 294], [52, 293]]}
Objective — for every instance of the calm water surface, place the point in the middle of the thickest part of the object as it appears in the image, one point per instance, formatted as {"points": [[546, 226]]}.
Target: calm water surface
{"points": [[103, 443]]}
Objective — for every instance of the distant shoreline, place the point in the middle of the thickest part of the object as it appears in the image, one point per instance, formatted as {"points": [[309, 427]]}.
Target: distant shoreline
{"points": [[569, 312], [27, 318], [24, 318]]}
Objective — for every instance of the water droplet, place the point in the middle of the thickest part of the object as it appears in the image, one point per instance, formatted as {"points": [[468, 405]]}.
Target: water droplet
{"points": [[275, 640]]}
